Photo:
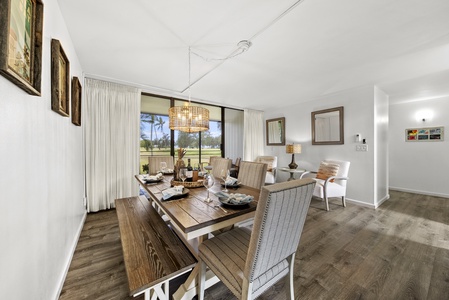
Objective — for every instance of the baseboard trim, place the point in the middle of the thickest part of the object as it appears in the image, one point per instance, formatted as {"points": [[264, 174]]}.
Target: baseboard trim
{"points": [[357, 202], [418, 192], [70, 257]]}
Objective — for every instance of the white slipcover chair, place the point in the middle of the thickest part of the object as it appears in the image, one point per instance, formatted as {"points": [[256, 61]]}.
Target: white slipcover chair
{"points": [[326, 188], [272, 163]]}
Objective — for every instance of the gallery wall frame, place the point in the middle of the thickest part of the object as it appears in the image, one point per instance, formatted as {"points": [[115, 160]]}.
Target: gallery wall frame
{"points": [[275, 132], [76, 101], [60, 79], [424, 134], [21, 32]]}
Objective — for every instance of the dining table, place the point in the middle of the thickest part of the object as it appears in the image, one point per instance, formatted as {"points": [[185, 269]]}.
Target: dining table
{"points": [[195, 220]]}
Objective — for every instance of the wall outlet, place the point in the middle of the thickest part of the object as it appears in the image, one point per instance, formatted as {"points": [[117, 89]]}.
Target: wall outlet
{"points": [[363, 148]]}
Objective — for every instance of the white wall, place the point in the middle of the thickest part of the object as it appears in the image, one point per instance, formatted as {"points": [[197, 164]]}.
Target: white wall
{"points": [[419, 167], [381, 184], [41, 181], [359, 117]]}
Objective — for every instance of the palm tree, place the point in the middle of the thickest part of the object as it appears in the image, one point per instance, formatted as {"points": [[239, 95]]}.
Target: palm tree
{"points": [[159, 125], [150, 119]]}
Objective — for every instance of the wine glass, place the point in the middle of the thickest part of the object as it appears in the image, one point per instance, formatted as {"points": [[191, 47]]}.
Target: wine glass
{"points": [[182, 174], [224, 174], [208, 182], [163, 166]]}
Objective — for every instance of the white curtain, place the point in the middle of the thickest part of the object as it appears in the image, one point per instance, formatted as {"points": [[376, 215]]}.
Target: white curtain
{"points": [[112, 118], [253, 140]]}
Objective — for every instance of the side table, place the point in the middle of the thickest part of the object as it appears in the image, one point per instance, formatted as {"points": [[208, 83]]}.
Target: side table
{"points": [[292, 172]]}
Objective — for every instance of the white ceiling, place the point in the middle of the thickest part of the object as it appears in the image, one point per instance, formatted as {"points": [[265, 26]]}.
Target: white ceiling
{"points": [[300, 50]]}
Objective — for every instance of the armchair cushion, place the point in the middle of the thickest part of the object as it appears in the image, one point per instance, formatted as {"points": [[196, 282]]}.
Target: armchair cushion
{"points": [[327, 170], [269, 162]]}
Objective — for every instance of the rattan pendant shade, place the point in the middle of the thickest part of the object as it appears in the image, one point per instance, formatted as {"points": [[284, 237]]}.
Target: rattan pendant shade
{"points": [[188, 118]]}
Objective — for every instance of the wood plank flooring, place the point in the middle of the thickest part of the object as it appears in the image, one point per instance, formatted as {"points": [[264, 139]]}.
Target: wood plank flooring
{"points": [[398, 251]]}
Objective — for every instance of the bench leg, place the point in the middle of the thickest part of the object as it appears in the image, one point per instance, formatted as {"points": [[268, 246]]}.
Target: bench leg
{"points": [[189, 289]]}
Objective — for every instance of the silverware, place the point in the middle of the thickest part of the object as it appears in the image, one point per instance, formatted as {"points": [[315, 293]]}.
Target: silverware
{"points": [[225, 211]]}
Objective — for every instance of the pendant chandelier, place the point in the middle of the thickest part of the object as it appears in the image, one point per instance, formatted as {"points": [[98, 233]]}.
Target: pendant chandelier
{"points": [[188, 118]]}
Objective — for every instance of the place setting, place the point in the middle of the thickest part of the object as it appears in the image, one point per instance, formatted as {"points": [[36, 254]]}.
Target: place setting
{"points": [[175, 192], [228, 181], [234, 199], [153, 178]]}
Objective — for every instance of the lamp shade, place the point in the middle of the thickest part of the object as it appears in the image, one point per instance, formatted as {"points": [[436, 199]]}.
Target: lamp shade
{"points": [[188, 118], [293, 148]]}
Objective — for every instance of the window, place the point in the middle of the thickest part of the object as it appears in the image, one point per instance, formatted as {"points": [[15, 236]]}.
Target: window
{"points": [[157, 139]]}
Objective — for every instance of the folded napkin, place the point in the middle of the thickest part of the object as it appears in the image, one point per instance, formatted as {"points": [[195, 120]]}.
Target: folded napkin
{"points": [[230, 180], [234, 198], [168, 171], [170, 192], [156, 177]]}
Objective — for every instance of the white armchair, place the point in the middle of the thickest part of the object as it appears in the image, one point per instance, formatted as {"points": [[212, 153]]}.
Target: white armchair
{"points": [[331, 180], [272, 163]]}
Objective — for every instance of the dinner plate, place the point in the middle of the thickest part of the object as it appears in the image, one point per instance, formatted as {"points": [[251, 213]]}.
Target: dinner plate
{"points": [[184, 193], [223, 201]]}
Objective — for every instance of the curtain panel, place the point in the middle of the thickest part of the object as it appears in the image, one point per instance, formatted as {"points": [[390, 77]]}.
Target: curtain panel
{"points": [[112, 131], [253, 134]]}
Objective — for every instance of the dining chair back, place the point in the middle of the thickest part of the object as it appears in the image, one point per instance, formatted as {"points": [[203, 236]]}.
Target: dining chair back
{"points": [[249, 261], [252, 174], [154, 163], [219, 164]]}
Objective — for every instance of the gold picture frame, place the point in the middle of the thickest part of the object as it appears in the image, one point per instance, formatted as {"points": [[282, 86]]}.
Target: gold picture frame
{"points": [[21, 32], [76, 101], [60, 78]]}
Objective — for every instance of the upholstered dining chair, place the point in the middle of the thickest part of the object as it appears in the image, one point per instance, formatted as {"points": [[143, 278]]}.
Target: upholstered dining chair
{"points": [[249, 261], [252, 174], [219, 164], [272, 163], [331, 180], [154, 163]]}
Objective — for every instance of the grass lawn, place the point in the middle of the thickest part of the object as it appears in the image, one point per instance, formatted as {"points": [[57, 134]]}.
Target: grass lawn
{"points": [[193, 154]]}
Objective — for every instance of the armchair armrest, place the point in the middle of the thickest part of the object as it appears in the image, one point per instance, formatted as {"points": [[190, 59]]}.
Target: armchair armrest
{"points": [[334, 178], [306, 173]]}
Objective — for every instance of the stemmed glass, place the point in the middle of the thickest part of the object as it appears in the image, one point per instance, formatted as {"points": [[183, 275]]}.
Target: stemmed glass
{"points": [[224, 174], [208, 182], [182, 174], [163, 166]]}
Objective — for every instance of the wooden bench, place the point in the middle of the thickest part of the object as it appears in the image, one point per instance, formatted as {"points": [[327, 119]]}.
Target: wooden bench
{"points": [[152, 252]]}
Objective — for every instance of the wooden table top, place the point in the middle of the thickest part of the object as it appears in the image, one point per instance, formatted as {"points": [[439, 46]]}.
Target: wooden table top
{"points": [[195, 217]]}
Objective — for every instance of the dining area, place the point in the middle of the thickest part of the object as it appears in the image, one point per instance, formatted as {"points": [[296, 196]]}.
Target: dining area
{"points": [[217, 222]]}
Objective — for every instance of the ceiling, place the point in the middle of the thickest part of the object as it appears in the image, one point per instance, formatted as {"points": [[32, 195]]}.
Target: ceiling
{"points": [[301, 50]]}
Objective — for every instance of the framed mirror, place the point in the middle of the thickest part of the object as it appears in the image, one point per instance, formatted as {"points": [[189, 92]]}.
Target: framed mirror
{"points": [[328, 126], [276, 132]]}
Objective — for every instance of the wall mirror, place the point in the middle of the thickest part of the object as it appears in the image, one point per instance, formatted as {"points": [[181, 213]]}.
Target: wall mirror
{"points": [[276, 132], [328, 127]]}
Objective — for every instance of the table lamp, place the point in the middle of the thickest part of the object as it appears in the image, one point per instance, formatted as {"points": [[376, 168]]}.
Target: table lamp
{"points": [[292, 149]]}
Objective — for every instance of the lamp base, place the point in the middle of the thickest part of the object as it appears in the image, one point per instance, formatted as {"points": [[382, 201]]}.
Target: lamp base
{"points": [[293, 165]]}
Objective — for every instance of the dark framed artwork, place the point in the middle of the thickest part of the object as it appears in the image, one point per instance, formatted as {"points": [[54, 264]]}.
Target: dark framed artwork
{"points": [[76, 101], [21, 23], [425, 134], [60, 79]]}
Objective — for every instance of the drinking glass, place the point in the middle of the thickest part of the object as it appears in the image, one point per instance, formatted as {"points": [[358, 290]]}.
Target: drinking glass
{"points": [[208, 182], [182, 174], [163, 167], [224, 174]]}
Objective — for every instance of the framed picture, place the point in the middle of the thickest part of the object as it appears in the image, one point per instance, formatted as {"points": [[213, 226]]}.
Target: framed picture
{"points": [[21, 43], [275, 129], [60, 78], [428, 134], [76, 101]]}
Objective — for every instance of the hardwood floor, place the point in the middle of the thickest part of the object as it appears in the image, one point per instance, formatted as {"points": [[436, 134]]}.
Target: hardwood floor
{"points": [[398, 251]]}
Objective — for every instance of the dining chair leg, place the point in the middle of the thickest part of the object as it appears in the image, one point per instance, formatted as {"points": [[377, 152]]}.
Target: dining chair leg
{"points": [[201, 279], [289, 278], [343, 200]]}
